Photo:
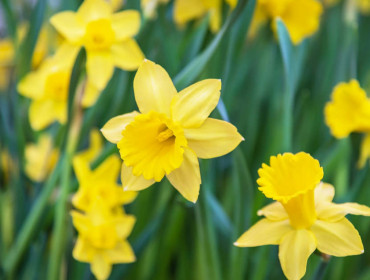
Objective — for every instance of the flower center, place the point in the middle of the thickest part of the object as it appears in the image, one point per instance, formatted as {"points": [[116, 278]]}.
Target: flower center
{"points": [[99, 35], [153, 145], [56, 86]]}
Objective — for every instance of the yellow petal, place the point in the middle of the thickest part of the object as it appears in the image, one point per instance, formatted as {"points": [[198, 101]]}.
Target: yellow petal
{"points": [[122, 253], [153, 88], [130, 182], [112, 130], [95, 147], [186, 10], [194, 104], [214, 138], [81, 222], [215, 20], [83, 251], [101, 267], [99, 67], [125, 225], [264, 232], [324, 192], [364, 151], [44, 112], [186, 179], [294, 251], [232, 3], [127, 55], [69, 25], [126, 24], [332, 212], [91, 10], [32, 85], [126, 197], [274, 211], [81, 168], [337, 239], [108, 169], [90, 96]]}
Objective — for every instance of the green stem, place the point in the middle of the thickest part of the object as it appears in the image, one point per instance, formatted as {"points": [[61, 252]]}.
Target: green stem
{"points": [[320, 272]]}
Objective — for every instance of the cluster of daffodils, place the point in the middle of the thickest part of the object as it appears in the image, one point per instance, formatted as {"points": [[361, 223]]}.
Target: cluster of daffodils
{"points": [[301, 17], [303, 218], [170, 133], [348, 112], [102, 224]]}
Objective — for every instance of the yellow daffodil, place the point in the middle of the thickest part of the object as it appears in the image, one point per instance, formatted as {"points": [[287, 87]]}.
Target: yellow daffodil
{"points": [[349, 111], [170, 133], [40, 158], [106, 36], [301, 17], [304, 218], [100, 183], [187, 10], [149, 7], [102, 239], [6, 61], [48, 88]]}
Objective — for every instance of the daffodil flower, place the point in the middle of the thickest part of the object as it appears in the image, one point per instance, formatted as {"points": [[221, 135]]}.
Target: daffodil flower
{"points": [[171, 131], [41, 158], [349, 111], [304, 218], [187, 10], [48, 88], [102, 239], [106, 36], [301, 17]]}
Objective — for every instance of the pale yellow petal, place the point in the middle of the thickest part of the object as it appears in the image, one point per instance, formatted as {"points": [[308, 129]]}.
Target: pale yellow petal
{"points": [[126, 24], [32, 85], [364, 151], [41, 114], [153, 88], [112, 130], [91, 10], [122, 253], [186, 179], [294, 250], [101, 267], [186, 10], [332, 212], [130, 182], [337, 239], [99, 67], [214, 138], [193, 105], [264, 232], [127, 55], [274, 211], [91, 95], [324, 192], [69, 25]]}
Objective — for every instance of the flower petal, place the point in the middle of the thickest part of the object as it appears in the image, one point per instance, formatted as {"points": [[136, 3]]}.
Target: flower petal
{"points": [[194, 104], [324, 192], [332, 212], [264, 232], [294, 251], [69, 25], [127, 55], [112, 130], [101, 267], [94, 9], [43, 113], [122, 253], [32, 85], [99, 67], [81, 169], [126, 24], [82, 251], [124, 226], [185, 10], [274, 211], [214, 138], [337, 239], [153, 88], [130, 182], [108, 169], [186, 179]]}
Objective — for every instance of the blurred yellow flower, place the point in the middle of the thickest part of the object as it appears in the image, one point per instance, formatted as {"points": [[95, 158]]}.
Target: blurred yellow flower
{"points": [[40, 158], [102, 239], [171, 132], [95, 147], [100, 183], [364, 6], [106, 36], [149, 7], [301, 17], [6, 61], [187, 10], [304, 217], [349, 111], [48, 88]]}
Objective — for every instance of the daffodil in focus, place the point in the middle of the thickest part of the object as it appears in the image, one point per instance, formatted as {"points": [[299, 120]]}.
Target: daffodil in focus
{"points": [[48, 88], [301, 17], [304, 218], [41, 158], [187, 10], [171, 131], [149, 7], [348, 112], [102, 238], [106, 36]]}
